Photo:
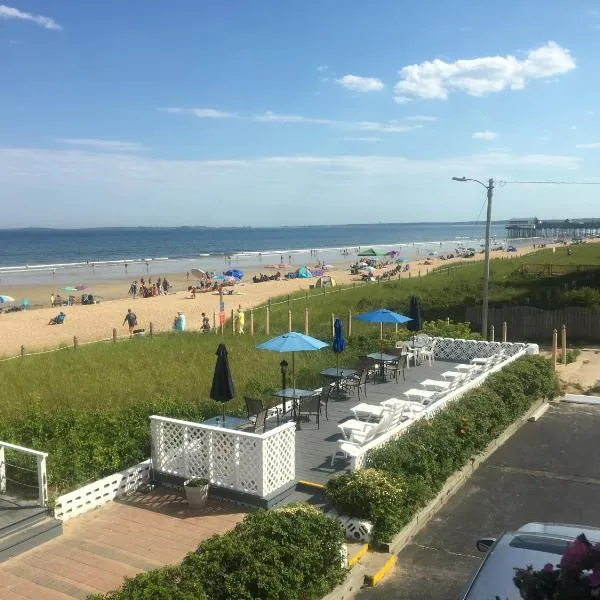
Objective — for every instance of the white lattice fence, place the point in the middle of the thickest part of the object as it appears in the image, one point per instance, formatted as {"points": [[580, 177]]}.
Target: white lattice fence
{"points": [[465, 350], [102, 491], [251, 463]]}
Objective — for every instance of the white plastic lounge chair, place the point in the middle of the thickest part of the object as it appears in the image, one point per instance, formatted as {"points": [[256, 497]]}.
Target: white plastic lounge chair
{"points": [[451, 375], [358, 439], [464, 367], [436, 384], [420, 394], [370, 412], [355, 430]]}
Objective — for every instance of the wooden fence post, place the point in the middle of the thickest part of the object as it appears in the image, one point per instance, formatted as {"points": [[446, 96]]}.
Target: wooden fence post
{"points": [[492, 332], [267, 319], [290, 320], [22, 352], [554, 348], [75, 342], [504, 331], [114, 334], [332, 325], [349, 322], [151, 328], [419, 273], [215, 322], [251, 322], [563, 343], [396, 329], [306, 320], [232, 322], [381, 331]]}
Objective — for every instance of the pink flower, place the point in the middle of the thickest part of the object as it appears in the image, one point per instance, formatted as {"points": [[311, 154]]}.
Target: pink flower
{"points": [[575, 552]]}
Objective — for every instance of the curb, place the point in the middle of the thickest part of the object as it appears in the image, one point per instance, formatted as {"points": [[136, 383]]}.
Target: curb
{"points": [[373, 580], [352, 562]]}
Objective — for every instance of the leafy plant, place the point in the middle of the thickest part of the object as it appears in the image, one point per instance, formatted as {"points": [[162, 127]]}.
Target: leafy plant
{"points": [[196, 482], [572, 355]]}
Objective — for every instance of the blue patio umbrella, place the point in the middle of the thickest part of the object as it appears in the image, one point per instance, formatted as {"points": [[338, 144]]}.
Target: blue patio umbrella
{"points": [[292, 342], [234, 273], [339, 342], [383, 315]]}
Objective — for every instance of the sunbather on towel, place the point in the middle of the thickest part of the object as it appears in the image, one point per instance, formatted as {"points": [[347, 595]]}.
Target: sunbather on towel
{"points": [[59, 319]]}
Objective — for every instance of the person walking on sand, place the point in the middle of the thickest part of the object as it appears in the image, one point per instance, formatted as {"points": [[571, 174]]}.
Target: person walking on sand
{"points": [[52, 300], [131, 320], [241, 319]]}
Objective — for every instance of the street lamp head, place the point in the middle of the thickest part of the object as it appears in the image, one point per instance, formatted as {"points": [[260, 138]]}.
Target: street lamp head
{"points": [[283, 365], [459, 179]]}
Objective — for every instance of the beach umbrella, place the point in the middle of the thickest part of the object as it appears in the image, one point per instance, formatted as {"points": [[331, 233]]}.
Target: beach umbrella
{"points": [[292, 342], [381, 316], [402, 260], [391, 253], [222, 389], [339, 342], [6, 299], [199, 273], [371, 252], [235, 273], [69, 288], [219, 276], [415, 315]]}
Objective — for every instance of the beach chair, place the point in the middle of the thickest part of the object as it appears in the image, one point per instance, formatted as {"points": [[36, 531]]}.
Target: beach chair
{"points": [[359, 438], [436, 384], [422, 395], [368, 412]]}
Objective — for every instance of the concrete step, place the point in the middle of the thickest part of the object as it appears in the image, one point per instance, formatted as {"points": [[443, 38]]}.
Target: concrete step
{"points": [[27, 536], [15, 518]]}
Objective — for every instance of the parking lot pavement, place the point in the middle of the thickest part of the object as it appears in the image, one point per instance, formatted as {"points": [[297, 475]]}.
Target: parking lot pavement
{"points": [[548, 471]]}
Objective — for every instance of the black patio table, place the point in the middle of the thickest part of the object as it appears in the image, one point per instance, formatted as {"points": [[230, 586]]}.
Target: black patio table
{"points": [[338, 374], [382, 357], [229, 423], [295, 395]]}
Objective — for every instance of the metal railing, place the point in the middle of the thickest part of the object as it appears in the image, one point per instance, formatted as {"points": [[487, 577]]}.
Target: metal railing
{"points": [[42, 482]]}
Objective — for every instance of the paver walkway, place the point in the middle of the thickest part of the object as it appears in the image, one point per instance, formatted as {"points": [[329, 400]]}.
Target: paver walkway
{"points": [[97, 550]]}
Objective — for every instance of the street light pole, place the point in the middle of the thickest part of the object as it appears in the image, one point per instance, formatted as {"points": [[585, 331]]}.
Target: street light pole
{"points": [[486, 263]]}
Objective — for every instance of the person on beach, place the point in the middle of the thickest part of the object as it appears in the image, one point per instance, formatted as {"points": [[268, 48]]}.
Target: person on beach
{"points": [[131, 320], [165, 286], [187, 276], [52, 300], [59, 319], [179, 322], [241, 319], [58, 300], [205, 327], [133, 290]]}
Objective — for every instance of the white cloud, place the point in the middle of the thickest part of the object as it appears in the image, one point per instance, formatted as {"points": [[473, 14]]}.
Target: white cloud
{"points": [[201, 113], [102, 145], [362, 139], [481, 76], [420, 118], [402, 99], [271, 117], [6, 12], [488, 136], [356, 83], [322, 68], [592, 146]]}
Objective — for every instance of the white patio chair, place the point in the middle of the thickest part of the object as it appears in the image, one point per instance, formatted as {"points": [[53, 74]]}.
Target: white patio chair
{"points": [[451, 375], [353, 446], [428, 353], [355, 430], [409, 353], [436, 384], [421, 395], [369, 411]]}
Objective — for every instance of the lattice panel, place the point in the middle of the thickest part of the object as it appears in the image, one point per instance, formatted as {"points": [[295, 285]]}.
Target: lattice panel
{"points": [[464, 350], [279, 460]]}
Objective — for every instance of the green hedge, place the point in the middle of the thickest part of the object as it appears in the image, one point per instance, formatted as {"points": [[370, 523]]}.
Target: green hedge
{"points": [[294, 553], [410, 470]]}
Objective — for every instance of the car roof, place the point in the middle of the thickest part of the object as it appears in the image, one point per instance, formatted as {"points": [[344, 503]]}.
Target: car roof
{"points": [[533, 544]]}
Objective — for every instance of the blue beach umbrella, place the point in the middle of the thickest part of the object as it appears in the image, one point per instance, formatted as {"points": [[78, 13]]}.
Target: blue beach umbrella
{"points": [[339, 342], [6, 299], [383, 315], [234, 273], [292, 342]]}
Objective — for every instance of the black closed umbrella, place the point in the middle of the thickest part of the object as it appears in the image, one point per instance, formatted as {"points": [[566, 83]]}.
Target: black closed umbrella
{"points": [[415, 314], [222, 389]]}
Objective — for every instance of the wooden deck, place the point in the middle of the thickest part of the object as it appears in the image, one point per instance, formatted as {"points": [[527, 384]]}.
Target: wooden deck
{"points": [[98, 549], [314, 447]]}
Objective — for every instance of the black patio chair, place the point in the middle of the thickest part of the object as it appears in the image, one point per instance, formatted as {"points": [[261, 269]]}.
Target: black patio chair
{"points": [[396, 366], [311, 405], [323, 396], [254, 406], [358, 381], [260, 424]]}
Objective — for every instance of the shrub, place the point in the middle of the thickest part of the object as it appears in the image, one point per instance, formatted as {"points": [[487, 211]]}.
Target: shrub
{"points": [[294, 553], [431, 450], [372, 495], [573, 355], [443, 328]]}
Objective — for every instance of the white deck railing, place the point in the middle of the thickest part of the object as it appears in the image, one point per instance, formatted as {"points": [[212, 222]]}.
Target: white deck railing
{"points": [[41, 469], [448, 352], [251, 463]]}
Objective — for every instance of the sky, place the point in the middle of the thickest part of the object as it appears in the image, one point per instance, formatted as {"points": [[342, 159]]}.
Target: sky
{"points": [[277, 113]]}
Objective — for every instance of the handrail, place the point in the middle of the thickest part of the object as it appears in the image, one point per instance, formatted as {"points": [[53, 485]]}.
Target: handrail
{"points": [[250, 434], [23, 449]]}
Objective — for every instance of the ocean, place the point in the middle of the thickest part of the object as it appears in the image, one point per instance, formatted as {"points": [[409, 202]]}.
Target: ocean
{"points": [[25, 253]]}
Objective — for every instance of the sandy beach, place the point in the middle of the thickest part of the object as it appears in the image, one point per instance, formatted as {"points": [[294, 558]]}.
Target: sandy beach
{"points": [[96, 322]]}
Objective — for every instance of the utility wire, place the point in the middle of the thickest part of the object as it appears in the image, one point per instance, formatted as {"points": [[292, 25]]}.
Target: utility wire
{"points": [[502, 183]]}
